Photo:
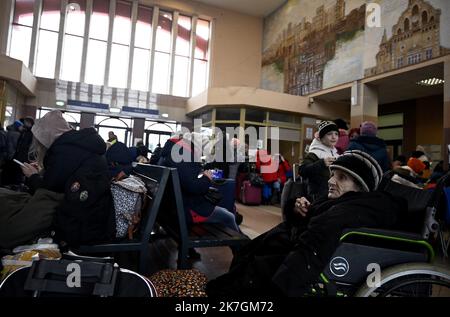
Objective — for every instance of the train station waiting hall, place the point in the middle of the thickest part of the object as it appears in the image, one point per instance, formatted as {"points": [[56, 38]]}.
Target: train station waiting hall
{"points": [[225, 148]]}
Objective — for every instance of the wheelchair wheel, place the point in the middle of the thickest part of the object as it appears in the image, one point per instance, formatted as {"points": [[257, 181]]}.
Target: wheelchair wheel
{"points": [[410, 280]]}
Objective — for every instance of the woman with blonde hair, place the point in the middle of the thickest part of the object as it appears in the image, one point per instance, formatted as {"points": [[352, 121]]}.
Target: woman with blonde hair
{"points": [[73, 162]]}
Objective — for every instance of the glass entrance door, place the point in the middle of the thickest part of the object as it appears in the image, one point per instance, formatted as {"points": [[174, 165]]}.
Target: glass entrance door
{"points": [[158, 133]]}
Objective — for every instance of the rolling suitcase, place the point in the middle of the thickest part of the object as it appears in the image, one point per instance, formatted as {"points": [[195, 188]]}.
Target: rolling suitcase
{"points": [[250, 195], [76, 276]]}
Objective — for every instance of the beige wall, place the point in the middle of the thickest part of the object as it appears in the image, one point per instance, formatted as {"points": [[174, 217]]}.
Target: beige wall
{"points": [[235, 45]]}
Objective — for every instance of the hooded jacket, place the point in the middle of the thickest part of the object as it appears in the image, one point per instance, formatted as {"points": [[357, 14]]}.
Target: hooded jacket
{"points": [[76, 166], [374, 146]]}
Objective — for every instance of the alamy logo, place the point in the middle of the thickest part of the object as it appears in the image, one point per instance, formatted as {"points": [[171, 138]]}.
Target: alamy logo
{"points": [[74, 278], [339, 266], [373, 15], [374, 278]]}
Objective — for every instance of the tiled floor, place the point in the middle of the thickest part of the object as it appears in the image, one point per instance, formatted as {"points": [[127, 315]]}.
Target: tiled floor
{"points": [[216, 261]]}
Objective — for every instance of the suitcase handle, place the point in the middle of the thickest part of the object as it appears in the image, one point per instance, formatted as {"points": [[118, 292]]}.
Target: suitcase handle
{"points": [[98, 279]]}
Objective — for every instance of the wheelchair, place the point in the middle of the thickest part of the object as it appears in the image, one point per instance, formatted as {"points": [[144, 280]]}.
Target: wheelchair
{"points": [[394, 263]]}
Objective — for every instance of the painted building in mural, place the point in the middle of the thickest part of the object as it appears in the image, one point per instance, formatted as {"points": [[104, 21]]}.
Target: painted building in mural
{"points": [[314, 45], [416, 38], [303, 50]]}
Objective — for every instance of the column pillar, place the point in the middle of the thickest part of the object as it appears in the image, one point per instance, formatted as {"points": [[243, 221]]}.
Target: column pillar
{"points": [[138, 130], [364, 104], [446, 129], [3, 100]]}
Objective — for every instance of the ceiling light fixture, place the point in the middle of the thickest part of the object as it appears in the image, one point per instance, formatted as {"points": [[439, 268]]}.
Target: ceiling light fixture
{"points": [[431, 82], [165, 115], [114, 110], [60, 103]]}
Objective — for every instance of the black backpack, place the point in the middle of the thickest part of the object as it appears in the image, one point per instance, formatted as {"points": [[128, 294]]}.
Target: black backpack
{"points": [[87, 214], [99, 277]]}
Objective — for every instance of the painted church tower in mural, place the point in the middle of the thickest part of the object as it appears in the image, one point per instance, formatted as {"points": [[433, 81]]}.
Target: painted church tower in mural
{"points": [[303, 50], [415, 38]]}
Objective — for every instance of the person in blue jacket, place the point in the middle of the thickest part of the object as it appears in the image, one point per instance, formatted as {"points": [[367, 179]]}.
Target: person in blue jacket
{"points": [[195, 183], [371, 144]]}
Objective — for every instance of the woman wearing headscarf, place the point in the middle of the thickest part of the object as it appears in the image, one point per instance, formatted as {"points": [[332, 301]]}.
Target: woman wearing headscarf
{"points": [[290, 257], [73, 162], [322, 152]]}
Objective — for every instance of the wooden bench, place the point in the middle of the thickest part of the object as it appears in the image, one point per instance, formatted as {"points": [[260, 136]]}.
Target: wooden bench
{"points": [[172, 219]]}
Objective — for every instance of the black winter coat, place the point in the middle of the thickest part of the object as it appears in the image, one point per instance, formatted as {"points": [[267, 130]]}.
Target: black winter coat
{"points": [[76, 166], [193, 188], [316, 174], [291, 256]]}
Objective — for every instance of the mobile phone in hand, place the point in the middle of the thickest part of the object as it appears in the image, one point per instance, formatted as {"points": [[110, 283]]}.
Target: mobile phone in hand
{"points": [[19, 162]]}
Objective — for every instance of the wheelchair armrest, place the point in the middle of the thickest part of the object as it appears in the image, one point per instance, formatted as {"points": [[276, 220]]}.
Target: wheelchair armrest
{"points": [[381, 233]]}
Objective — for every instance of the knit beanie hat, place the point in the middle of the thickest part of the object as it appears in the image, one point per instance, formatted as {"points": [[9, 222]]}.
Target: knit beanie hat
{"points": [[416, 165], [51, 126], [368, 128], [325, 127], [362, 167]]}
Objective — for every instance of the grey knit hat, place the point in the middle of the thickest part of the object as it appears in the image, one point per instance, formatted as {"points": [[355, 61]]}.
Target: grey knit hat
{"points": [[362, 167]]}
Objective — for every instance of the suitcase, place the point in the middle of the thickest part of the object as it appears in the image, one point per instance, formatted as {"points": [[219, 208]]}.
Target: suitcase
{"points": [[227, 188], [240, 178], [76, 276], [250, 195]]}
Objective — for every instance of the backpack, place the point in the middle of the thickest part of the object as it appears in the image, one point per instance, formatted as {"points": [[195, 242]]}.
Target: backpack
{"points": [[86, 215]]}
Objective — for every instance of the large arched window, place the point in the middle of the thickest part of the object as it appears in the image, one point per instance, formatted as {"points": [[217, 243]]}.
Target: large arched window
{"points": [[415, 10], [167, 53]]}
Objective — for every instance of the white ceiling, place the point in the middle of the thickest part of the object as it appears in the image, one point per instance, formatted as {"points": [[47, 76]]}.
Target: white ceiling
{"points": [[259, 8], [398, 87]]}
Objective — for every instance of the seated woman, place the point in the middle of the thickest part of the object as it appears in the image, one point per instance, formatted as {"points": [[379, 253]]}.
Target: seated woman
{"points": [[185, 156], [73, 162], [291, 256]]}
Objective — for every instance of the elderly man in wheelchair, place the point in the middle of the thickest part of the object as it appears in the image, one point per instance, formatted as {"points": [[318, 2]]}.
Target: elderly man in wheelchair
{"points": [[331, 247]]}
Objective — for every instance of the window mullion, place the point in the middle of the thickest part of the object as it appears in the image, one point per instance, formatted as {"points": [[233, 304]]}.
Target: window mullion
{"points": [[5, 46], [191, 59], [62, 26], [173, 48], [34, 34], [208, 57], [153, 44], [112, 13], [134, 12], [87, 25]]}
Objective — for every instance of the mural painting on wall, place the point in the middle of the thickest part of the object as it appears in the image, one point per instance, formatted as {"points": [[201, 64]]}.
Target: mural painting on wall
{"points": [[302, 50], [313, 45], [415, 38]]}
